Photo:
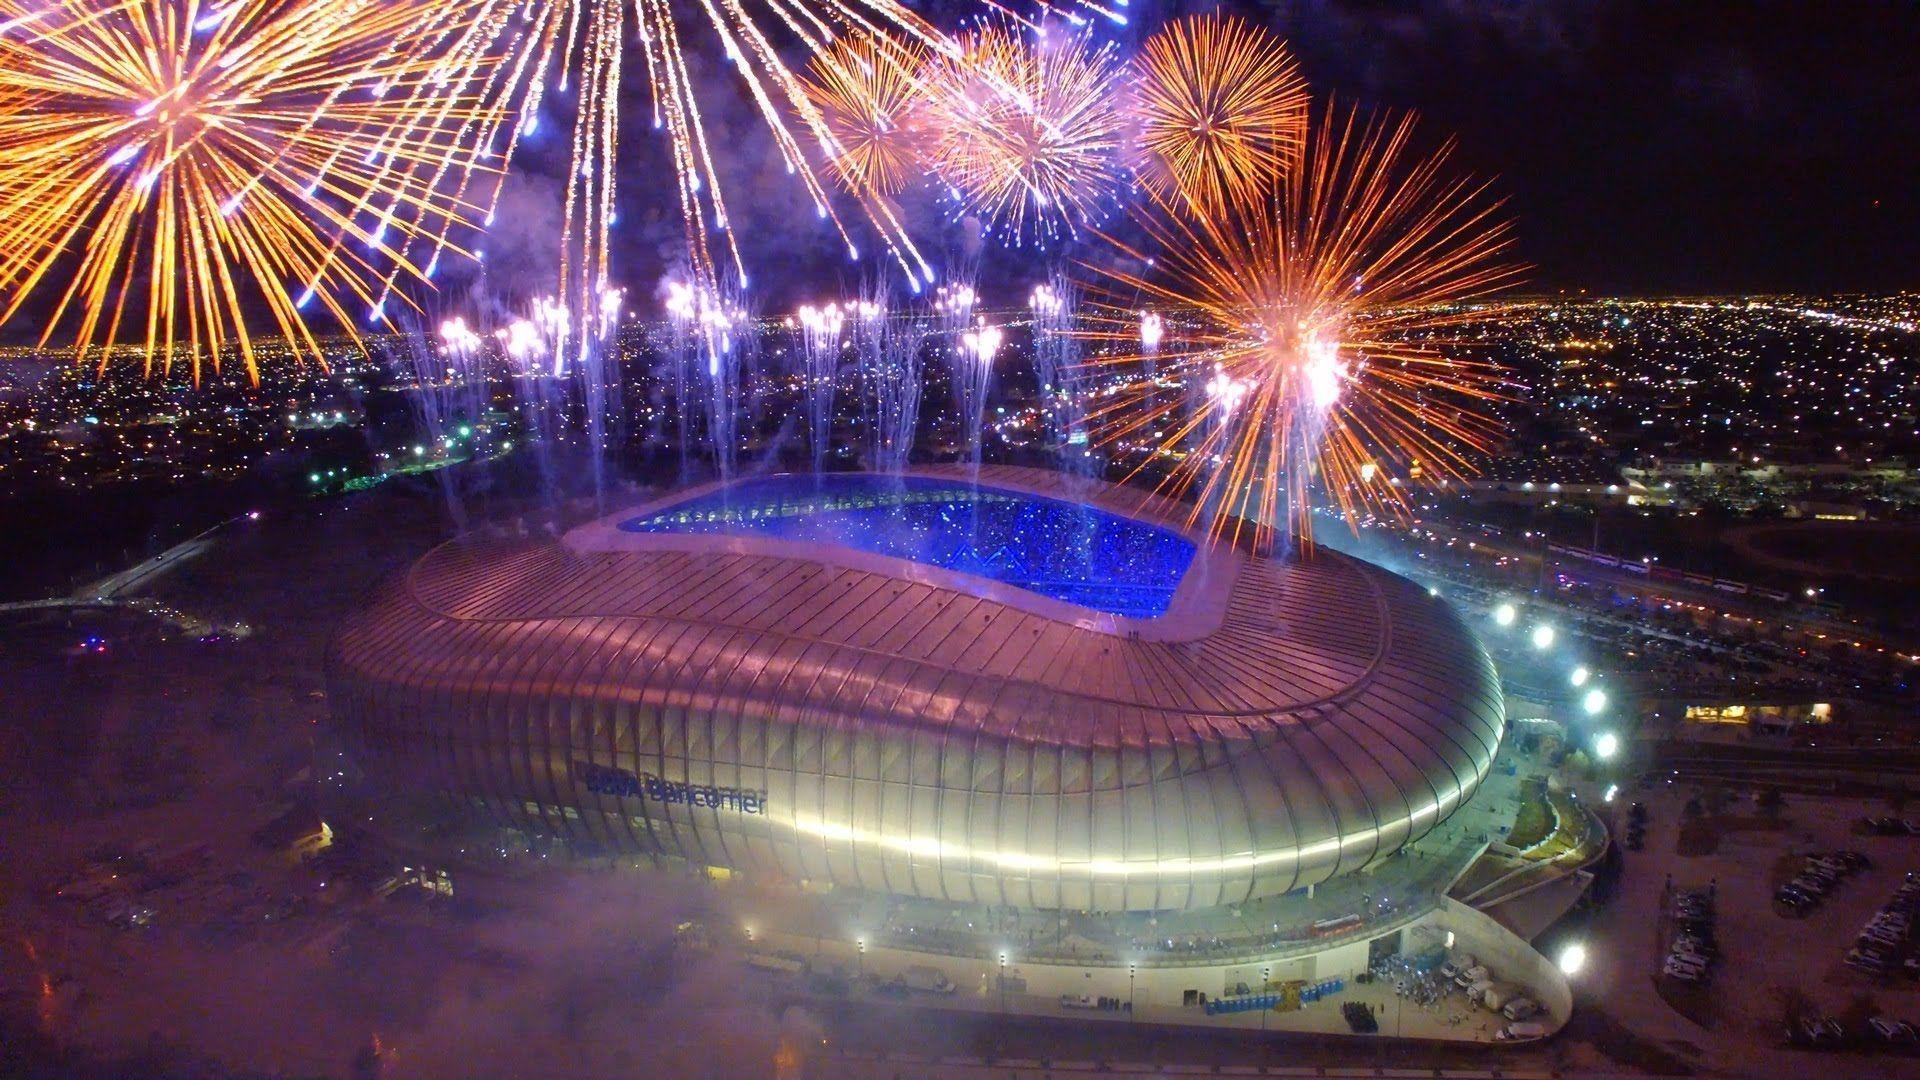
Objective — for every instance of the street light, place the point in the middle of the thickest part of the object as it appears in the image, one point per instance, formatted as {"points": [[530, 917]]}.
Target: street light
{"points": [[1607, 745], [1542, 636], [862, 942], [1581, 675], [1573, 958], [1003, 981], [1266, 982], [1505, 614], [1132, 967], [1594, 701]]}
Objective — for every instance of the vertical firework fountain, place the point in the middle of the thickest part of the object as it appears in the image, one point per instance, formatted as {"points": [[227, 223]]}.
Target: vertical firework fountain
{"points": [[1223, 395], [973, 374], [953, 305], [682, 350], [726, 342], [447, 399], [596, 373], [1059, 374], [820, 329], [1153, 330], [892, 353], [528, 345], [711, 343]]}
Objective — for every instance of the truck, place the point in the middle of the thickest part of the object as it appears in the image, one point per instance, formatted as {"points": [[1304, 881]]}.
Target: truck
{"points": [[926, 979], [1474, 974], [1496, 996], [1479, 990]]}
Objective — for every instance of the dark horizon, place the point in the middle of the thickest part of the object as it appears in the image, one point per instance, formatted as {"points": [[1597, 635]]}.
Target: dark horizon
{"points": [[1659, 148]]}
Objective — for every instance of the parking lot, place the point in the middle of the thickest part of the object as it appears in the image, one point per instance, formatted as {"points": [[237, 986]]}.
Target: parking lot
{"points": [[1768, 965]]}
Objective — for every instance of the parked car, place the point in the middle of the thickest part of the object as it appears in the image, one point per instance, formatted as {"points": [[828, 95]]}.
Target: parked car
{"points": [[1893, 1031], [1869, 962]]}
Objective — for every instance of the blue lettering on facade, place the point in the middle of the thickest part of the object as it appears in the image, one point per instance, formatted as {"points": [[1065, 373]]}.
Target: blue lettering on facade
{"points": [[606, 780]]}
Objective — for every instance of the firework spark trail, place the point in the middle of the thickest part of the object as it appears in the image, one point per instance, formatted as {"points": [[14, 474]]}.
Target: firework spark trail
{"points": [[1323, 311], [184, 161], [580, 42], [1024, 129], [1218, 111], [1072, 12]]}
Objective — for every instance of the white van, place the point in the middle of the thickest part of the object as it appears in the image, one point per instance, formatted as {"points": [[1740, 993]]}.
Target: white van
{"points": [[1528, 1029], [1687, 965], [1521, 1009]]}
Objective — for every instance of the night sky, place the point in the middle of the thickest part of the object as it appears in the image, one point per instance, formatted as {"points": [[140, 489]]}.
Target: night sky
{"points": [[1680, 146]]}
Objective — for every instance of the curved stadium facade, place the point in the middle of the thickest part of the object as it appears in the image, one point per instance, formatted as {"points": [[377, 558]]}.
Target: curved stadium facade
{"points": [[1035, 691]]}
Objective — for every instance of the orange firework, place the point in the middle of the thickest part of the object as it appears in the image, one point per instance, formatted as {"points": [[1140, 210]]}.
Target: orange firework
{"points": [[867, 88], [177, 166], [1312, 335], [1219, 110], [1024, 127]]}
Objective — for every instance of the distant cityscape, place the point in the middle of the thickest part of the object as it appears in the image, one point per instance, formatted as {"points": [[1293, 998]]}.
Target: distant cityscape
{"points": [[1767, 406]]}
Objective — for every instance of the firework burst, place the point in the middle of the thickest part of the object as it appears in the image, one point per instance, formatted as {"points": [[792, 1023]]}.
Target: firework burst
{"points": [[869, 93], [182, 165], [1025, 129], [1219, 110], [1316, 321]]}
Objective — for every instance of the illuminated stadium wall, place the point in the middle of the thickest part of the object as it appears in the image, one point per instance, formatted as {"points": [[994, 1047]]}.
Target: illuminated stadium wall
{"points": [[750, 680]]}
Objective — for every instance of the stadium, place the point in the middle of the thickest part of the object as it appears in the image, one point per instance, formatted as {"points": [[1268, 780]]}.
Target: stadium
{"points": [[1019, 689]]}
